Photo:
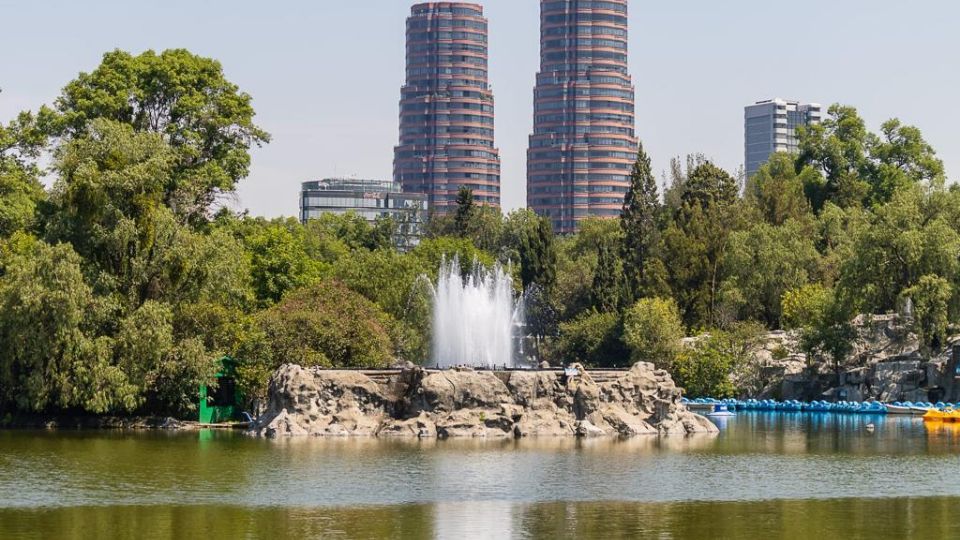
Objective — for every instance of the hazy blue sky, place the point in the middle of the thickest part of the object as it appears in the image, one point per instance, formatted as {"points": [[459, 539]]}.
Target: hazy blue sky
{"points": [[326, 74]]}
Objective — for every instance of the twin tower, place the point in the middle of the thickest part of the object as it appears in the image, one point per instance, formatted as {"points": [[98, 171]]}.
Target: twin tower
{"points": [[583, 143]]}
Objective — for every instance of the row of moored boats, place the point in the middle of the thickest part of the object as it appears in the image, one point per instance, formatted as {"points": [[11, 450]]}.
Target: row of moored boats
{"points": [[944, 411]]}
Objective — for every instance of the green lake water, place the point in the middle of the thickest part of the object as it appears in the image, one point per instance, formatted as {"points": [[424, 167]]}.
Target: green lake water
{"points": [[765, 476]]}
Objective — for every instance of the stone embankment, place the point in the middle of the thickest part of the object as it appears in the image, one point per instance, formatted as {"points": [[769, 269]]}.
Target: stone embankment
{"points": [[466, 403]]}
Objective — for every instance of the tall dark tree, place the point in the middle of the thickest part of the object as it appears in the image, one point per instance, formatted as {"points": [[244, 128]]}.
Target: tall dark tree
{"points": [[697, 239], [710, 185], [465, 210], [607, 290], [538, 258], [640, 228]]}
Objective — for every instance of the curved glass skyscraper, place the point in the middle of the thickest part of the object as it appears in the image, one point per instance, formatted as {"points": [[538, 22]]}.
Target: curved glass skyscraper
{"points": [[446, 108], [583, 144]]}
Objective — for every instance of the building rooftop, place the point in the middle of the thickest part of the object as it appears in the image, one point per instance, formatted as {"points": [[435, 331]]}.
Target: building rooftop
{"points": [[352, 184]]}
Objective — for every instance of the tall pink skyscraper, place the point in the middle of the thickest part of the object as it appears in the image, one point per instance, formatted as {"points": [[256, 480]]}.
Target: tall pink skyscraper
{"points": [[446, 108], [583, 144]]}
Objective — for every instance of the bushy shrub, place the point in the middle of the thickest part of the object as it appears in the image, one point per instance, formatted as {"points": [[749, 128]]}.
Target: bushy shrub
{"points": [[592, 339], [653, 330], [326, 325]]}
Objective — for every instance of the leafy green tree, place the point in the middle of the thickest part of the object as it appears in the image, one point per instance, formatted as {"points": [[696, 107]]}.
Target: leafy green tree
{"points": [[49, 312], [653, 331], [764, 262], [108, 203], [24, 138], [20, 196], [204, 118], [350, 229], [279, 261], [778, 192], [577, 264], [398, 284], [679, 174], [165, 371], [571, 293], [709, 185], [837, 232], [146, 270], [838, 148], [322, 245], [824, 320], [803, 307], [486, 229], [705, 371], [482, 225], [931, 297], [433, 251], [901, 158], [640, 222], [709, 367], [592, 339], [913, 236], [21, 143], [861, 167], [528, 239], [325, 324]]}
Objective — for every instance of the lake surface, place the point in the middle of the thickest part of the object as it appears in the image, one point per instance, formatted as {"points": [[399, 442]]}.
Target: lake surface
{"points": [[767, 475]]}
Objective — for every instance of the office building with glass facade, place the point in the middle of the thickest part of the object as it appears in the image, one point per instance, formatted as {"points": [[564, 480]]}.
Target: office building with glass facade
{"points": [[583, 144], [369, 199], [446, 108], [771, 126]]}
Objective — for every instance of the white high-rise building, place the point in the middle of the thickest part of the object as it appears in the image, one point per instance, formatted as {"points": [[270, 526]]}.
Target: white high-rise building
{"points": [[771, 126]]}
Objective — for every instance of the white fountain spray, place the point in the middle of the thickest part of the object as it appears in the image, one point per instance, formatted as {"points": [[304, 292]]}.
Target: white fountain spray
{"points": [[473, 318]]}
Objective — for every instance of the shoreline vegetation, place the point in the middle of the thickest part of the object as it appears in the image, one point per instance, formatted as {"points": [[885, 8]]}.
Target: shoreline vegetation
{"points": [[124, 283]]}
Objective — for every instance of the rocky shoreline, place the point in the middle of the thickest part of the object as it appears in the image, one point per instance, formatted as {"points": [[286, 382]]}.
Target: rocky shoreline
{"points": [[416, 403], [87, 422]]}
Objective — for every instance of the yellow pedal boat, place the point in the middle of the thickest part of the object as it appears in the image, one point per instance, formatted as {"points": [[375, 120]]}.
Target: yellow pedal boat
{"points": [[947, 415]]}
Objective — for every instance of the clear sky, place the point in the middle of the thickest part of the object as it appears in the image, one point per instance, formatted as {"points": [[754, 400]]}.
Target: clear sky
{"points": [[326, 74]]}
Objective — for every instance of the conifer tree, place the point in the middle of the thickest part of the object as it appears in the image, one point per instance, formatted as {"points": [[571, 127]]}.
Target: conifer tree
{"points": [[639, 222], [461, 220], [607, 290]]}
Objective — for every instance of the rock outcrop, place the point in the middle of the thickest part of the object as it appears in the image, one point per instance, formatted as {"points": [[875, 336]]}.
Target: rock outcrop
{"points": [[886, 364], [414, 402]]}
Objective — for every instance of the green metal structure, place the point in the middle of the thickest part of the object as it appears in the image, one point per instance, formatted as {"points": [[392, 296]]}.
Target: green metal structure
{"points": [[223, 403]]}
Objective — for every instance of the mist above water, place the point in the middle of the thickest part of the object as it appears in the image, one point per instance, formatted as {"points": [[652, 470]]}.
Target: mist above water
{"points": [[473, 317]]}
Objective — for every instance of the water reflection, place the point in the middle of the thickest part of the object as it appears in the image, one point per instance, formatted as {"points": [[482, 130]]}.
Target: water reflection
{"points": [[838, 518], [757, 456]]}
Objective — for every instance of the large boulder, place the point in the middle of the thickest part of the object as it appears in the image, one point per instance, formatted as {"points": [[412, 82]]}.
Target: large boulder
{"points": [[322, 402], [466, 403]]}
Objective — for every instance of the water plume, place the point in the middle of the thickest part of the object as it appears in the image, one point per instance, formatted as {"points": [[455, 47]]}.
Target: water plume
{"points": [[474, 317]]}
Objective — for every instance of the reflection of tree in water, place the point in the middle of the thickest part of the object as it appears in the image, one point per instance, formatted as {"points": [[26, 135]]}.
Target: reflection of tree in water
{"points": [[218, 522], [841, 518]]}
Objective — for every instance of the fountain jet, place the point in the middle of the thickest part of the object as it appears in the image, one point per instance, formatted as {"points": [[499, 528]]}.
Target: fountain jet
{"points": [[473, 317]]}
